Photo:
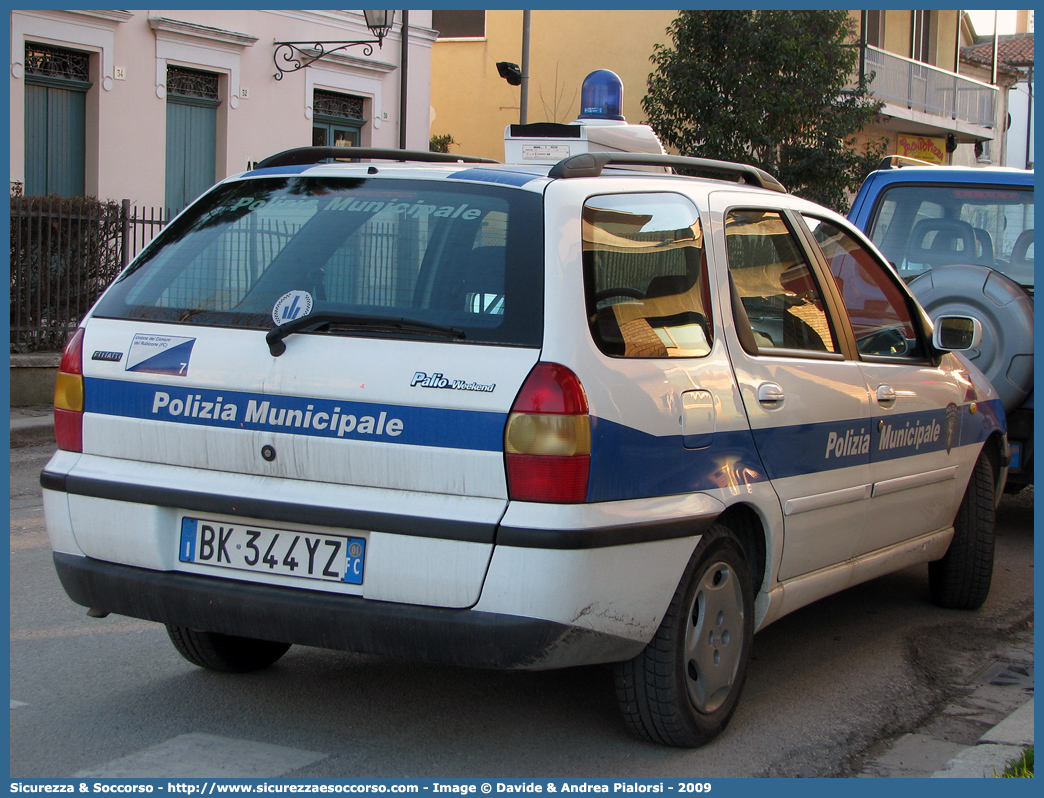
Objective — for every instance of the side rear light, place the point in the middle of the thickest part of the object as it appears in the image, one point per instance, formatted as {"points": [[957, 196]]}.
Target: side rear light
{"points": [[68, 396], [547, 441]]}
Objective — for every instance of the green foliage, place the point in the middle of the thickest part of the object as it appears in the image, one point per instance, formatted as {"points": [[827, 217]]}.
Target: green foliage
{"points": [[777, 89], [440, 143], [1021, 767]]}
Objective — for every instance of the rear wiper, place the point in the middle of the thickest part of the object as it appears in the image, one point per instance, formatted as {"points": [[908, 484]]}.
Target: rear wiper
{"points": [[314, 321]]}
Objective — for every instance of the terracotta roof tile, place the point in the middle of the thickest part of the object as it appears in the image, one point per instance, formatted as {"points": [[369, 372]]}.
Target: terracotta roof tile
{"points": [[1013, 50]]}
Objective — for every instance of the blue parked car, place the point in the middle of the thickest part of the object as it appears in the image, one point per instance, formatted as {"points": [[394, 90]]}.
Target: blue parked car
{"points": [[962, 238]]}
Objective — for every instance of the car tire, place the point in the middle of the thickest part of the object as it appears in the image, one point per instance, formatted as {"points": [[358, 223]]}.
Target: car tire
{"points": [[961, 579], [224, 653], [682, 689]]}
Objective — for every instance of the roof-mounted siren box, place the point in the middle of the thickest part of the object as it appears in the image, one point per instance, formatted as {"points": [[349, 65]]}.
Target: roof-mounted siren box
{"points": [[601, 127]]}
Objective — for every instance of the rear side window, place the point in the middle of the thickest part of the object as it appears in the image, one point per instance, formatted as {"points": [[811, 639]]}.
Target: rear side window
{"points": [[645, 272], [775, 286], [459, 256]]}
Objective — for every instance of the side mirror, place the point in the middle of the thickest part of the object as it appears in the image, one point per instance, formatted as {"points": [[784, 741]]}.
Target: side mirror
{"points": [[957, 333]]}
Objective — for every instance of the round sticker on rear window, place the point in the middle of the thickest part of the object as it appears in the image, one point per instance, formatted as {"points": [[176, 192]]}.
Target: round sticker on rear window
{"points": [[292, 305]]}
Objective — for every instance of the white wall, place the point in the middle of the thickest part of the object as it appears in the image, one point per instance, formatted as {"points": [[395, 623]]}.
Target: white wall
{"points": [[1021, 129], [259, 115]]}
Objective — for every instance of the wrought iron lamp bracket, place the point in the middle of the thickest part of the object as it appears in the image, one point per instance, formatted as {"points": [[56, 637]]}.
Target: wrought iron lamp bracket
{"points": [[294, 56]]}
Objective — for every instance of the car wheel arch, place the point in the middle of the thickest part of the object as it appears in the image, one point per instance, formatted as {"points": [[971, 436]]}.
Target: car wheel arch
{"points": [[751, 531]]}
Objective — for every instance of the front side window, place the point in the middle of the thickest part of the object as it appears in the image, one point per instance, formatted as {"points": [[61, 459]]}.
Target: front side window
{"points": [[877, 307], [467, 258], [919, 227], [645, 273], [775, 286]]}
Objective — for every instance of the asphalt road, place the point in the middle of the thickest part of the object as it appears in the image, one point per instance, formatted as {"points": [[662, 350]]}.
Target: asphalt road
{"points": [[828, 686]]}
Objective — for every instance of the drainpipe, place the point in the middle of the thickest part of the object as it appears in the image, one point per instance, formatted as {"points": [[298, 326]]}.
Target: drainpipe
{"points": [[403, 63], [863, 16], [523, 105], [996, 47], [957, 66], [1029, 121]]}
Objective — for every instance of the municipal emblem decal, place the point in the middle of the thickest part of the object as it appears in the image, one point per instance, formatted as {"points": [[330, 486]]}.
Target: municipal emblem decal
{"points": [[160, 354], [951, 425], [291, 305]]}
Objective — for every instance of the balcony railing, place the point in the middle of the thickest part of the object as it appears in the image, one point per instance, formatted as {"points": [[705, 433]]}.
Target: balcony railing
{"points": [[922, 87]]}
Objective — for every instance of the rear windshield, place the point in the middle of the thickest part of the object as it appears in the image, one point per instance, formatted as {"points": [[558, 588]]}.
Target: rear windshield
{"points": [[926, 226], [255, 252]]}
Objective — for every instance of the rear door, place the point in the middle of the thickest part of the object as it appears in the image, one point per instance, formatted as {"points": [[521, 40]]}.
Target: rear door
{"points": [[664, 420], [806, 401]]}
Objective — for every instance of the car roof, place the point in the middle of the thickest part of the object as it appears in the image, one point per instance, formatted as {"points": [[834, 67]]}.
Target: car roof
{"points": [[489, 173], [954, 174], [316, 162], [877, 182]]}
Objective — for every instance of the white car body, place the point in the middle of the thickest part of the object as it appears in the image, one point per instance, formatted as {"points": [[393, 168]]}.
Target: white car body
{"points": [[853, 470]]}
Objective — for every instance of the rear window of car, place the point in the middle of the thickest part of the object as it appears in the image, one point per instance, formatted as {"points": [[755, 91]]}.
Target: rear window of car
{"points": [[922, 226], [459, 256]]}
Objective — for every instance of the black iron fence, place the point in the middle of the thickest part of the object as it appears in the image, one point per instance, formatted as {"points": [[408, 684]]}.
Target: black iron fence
{"points": [[64, 252]]}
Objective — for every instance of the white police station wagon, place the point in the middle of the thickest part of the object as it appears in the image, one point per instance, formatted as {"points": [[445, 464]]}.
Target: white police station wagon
{"points": [[515, 417]]}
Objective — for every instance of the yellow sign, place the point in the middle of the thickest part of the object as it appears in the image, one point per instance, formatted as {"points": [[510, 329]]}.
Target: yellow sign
{"points": [[925, 148]]}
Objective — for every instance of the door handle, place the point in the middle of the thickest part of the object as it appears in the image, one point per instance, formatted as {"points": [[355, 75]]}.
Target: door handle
{"points": [[770, 394], [886, 395]]}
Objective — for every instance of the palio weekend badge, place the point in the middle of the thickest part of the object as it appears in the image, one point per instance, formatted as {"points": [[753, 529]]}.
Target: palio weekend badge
{"points": [[160, 354], [291, 305]]}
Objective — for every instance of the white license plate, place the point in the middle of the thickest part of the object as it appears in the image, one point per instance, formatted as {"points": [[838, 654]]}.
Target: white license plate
{"points": [[244, 547]]}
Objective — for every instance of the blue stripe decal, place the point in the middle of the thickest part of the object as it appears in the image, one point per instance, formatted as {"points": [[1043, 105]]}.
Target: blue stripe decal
{"points": [[494, 176], [323, 418], [978, 426], [813, 448], [628, 464]]}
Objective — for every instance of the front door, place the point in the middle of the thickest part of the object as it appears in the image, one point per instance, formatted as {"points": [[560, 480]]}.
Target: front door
{"points": [[914, 404]]}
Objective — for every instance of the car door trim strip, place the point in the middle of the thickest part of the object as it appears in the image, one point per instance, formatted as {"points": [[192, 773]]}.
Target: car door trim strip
{"points": [[890, 486], [821, 501]]}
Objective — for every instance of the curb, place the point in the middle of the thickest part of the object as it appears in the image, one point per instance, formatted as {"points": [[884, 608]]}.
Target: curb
{"points": [[995, 749], [31, 426]]}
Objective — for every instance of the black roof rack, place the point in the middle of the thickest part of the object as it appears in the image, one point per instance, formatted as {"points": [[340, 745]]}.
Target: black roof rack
{"points": [[314, 155], [590, 164], [899, 161]]}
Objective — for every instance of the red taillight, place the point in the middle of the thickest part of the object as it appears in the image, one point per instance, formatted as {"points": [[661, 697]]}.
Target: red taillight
{"points": [[68, 396], [547, 441]]}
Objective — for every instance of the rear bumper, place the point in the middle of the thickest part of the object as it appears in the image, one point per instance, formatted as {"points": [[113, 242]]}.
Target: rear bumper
{"points": [[312, 618], [563, 585]]}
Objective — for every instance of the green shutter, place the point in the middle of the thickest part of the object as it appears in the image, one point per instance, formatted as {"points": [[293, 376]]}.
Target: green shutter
{"points": [[55, 140], [191, 144]]}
